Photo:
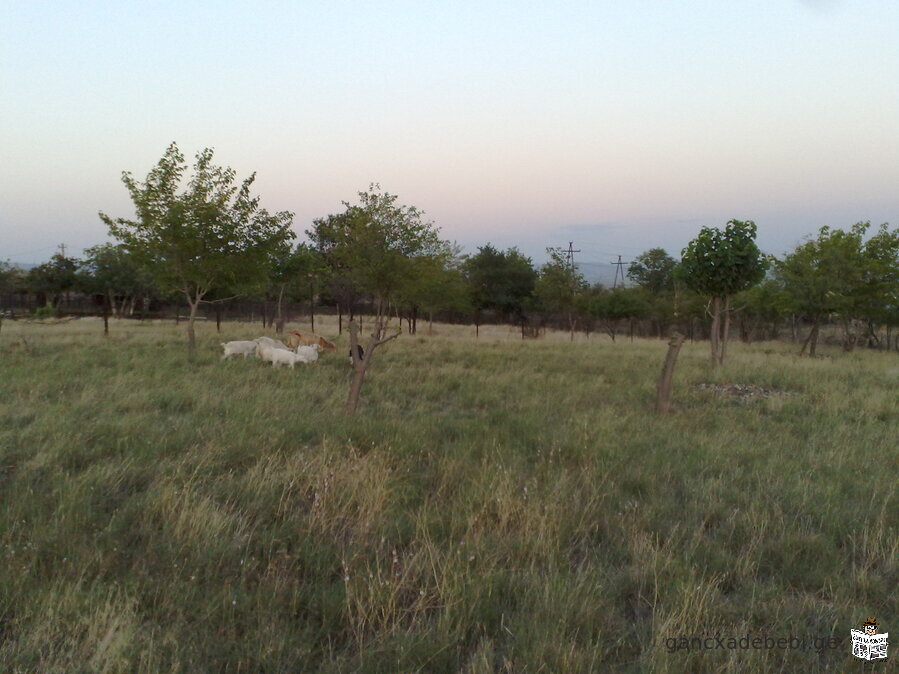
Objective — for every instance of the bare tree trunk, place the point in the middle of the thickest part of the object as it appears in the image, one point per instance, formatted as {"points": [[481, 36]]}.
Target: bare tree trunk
{"points": [[811, 342], [191, 333], [355, 390], [360, 365], [663, 392], [715, 334], [312, 309], [814, 339], [279, 321], [725, 332], [339, 319], [218, 317]]}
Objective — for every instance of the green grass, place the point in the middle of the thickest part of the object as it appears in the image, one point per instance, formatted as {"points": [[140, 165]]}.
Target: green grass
{"points": [[496, 505]]}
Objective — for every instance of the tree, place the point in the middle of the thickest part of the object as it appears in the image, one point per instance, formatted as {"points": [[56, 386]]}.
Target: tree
{"points": [[113, 272], [762, 305], [878, 301], [361, 358], [559, 286], [208, 235], [500, 281], [373, 244], [379, 246], [718, 265], [8, 278], [837, 273], [296, 273], [49, 281], [653, 270], [613, 306], [437, 284]]}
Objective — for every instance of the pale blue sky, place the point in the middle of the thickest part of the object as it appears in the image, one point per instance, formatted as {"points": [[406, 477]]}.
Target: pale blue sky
{"points": [[617, 125]]}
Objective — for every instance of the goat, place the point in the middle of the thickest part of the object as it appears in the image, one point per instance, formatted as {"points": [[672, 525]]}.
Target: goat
{"points": [[360, 353], [237, 348], [297, 338], [276, 356], [273, 343], [308, 354]]}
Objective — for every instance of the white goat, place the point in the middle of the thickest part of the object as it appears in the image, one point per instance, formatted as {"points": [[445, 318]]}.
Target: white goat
{"points": [[273, 343], [280, 357], [308, 354], [264, 344], [244, 348]]}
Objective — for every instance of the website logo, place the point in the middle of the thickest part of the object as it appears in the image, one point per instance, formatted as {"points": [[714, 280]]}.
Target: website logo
{"points": [[869, 644]]}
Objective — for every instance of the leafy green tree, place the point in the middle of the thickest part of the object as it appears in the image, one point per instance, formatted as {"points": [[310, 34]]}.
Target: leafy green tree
{"points": [[839, 274], [111, 271], [613, 306], [295, 273], [49, 281], [719, 264], [878, 294], [437, 285], [764, 306], [9, 280], [6, 272], [653, 270], [374, 243], [559, 287], [500, 281], [208, 234]]}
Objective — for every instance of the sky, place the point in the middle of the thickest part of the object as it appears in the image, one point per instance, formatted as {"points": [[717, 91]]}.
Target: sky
{"points": [[617, 126]]}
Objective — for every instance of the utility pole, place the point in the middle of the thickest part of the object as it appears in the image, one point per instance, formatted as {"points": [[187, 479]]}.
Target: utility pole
{"points": [[62, 249], [618, 270], [569, 254]]}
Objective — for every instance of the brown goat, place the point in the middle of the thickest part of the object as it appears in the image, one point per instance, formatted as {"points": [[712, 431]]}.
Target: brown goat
{"points": [[296, 338]]}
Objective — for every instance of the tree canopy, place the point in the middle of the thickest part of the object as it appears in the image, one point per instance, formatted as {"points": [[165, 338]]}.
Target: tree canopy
{"points": [[719, 264], [500, 281], [374, 243], [207, 234], [653, 270]]}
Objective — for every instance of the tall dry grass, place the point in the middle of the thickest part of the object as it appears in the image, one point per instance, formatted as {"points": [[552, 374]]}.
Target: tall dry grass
{"points": [[496, 505]]}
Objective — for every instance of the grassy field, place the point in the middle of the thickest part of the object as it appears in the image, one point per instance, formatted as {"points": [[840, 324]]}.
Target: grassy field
{"points": [[496, 505]]}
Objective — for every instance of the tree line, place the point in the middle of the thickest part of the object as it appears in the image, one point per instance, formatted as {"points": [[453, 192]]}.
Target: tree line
{"points": [[204, 238]]}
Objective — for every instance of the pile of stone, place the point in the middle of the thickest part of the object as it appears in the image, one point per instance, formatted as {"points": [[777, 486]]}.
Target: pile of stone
{"points": [[742, 392]]}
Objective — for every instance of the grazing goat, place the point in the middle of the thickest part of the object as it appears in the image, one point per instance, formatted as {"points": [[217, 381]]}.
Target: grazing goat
{"points": [[263, 343], [308, 354], [297, 338], [276, 356], [244, 348], [273, 343]]}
